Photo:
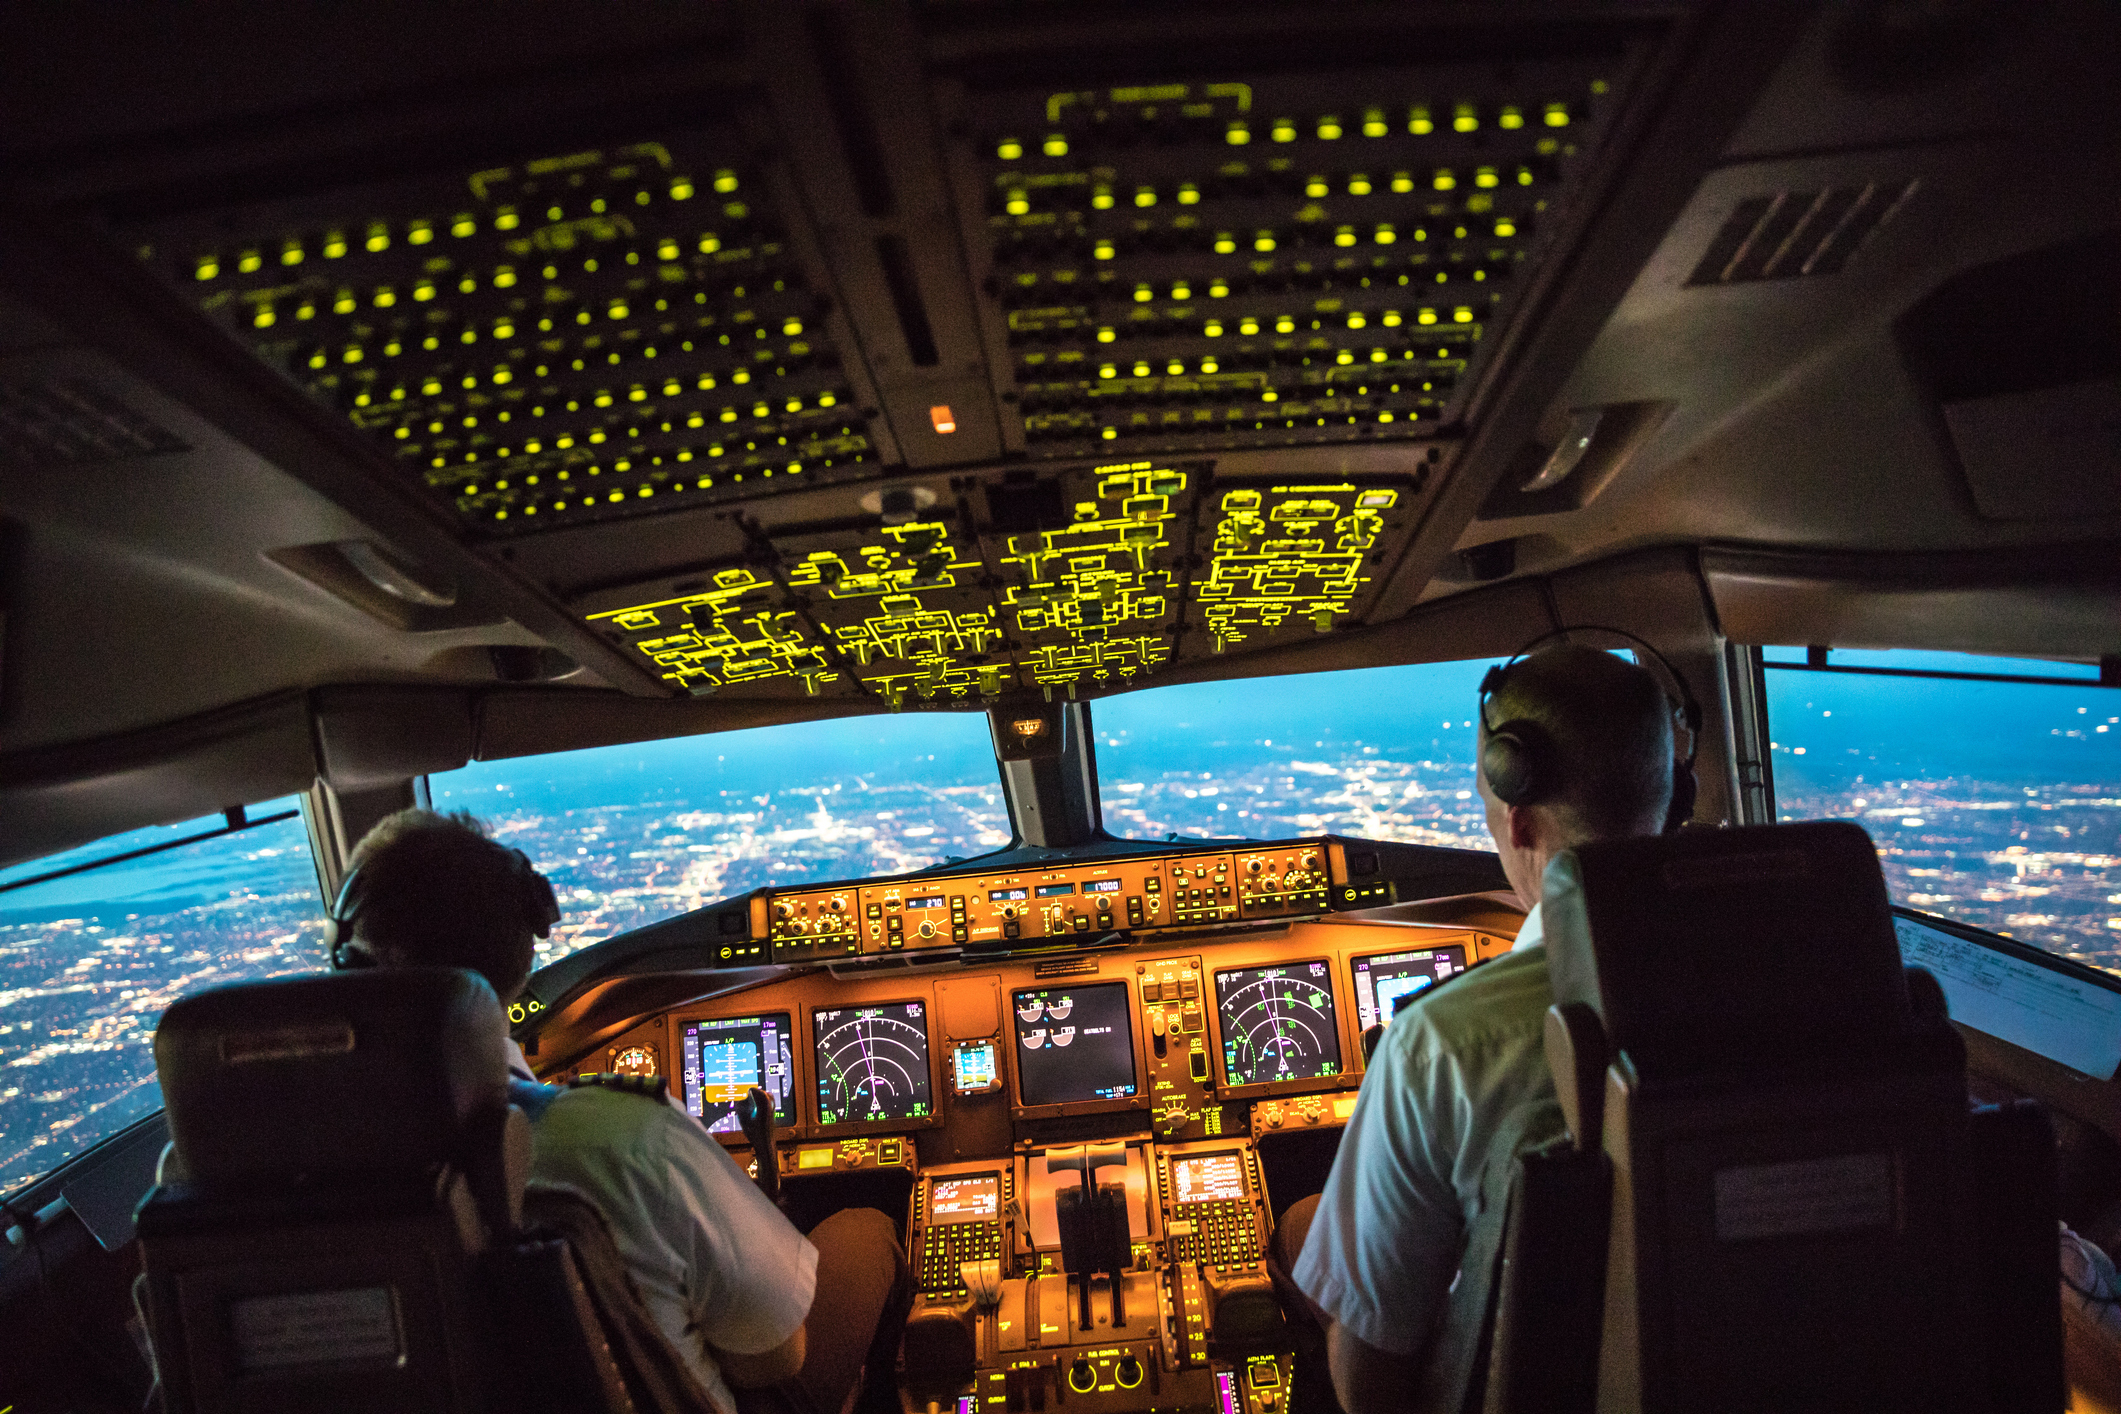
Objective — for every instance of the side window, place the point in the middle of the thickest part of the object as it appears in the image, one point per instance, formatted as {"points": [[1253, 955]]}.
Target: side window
{"points": [[1994, 801], [96, 942], [1382, 753]]}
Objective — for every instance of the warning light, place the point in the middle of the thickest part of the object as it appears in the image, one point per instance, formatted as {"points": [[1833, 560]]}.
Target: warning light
{"points": [[944, 420]]}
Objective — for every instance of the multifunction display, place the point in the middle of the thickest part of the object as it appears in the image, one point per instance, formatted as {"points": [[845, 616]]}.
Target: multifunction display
{"points": [[1277, 1023], [723, 1060], [973, 1198], [1074, 1044], [1386, 982], [872, 1063], [1208, 1178]]}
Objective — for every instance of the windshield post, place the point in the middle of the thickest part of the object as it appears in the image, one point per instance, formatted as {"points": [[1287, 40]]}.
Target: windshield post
{"points": [[1049, 772]]}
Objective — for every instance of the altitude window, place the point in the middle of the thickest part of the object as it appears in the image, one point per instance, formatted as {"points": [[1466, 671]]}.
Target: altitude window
{"points": [[1380, 753], [1993, 801], [95, 943], [636, 833]]}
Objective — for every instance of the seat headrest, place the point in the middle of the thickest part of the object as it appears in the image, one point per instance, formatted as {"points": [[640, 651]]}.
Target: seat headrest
{"points": [[1728, 947], [348, 1073]]}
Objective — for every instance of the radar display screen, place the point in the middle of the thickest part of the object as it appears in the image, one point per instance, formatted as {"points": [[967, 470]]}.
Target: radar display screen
{"points": [[1385, 982], [872, 1063], [1208, 1178], [1074, 1044], [1277, 1023], [723, 1059], [975, 1198]]}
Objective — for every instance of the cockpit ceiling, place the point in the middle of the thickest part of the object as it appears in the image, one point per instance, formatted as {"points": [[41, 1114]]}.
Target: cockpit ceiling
{"points": [[644, 318]]}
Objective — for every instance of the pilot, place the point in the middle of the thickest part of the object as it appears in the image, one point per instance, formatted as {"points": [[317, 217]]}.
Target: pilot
{"points": [[1459, 1082], [789, 1321]]}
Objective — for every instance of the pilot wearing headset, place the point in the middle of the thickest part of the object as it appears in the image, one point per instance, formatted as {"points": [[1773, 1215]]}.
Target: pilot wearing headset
{"points": [[744, 1298], [1576, 745]]}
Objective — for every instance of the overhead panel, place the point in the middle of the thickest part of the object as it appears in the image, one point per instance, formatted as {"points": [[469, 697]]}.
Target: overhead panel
{"points": [[547, 338], [1227, 259], [1071, 580]]}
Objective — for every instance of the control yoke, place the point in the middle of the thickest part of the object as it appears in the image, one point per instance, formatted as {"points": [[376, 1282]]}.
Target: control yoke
{"points": [[754, 1115], [1095, 1238]]}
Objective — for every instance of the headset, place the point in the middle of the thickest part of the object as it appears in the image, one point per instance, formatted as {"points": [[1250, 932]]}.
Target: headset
{"points": [[1517, 756], [540, 906]]}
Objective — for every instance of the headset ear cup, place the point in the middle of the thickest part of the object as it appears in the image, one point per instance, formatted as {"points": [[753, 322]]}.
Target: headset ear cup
{"points": [[1685, 788], [1509, 767]]}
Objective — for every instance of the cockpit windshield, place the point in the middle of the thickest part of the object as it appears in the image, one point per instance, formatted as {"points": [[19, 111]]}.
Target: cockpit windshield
{"points": [[1383, 753], [636, 833]]}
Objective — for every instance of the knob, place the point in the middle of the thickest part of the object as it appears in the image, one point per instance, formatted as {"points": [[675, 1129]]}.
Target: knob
{"points": [[927, 929], [1082, 1376], [839, 905], [783, 911], [1252, 866], [1129, 1373]]}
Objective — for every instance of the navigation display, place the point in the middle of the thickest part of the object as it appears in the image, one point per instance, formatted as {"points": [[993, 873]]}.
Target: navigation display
{"points": [[1277, 1023], [1208, 1178], [872, 1063], [721, 1060], [974, 1198], [1074, 1044], [1384, 981]]}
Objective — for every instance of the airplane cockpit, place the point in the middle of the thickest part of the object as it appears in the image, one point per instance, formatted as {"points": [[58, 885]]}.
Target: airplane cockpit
{"points": [[966, 542]]}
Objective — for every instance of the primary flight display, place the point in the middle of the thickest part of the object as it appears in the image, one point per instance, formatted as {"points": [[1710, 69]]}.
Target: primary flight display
{"points": [[722, 1060]]}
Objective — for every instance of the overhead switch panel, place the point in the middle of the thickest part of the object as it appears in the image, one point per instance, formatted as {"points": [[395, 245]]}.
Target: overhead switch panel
{"points": [[1282, 259], [581, 336]]}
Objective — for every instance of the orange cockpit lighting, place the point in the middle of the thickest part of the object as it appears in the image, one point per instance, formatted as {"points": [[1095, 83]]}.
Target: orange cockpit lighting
{"points": [[945, 421]]}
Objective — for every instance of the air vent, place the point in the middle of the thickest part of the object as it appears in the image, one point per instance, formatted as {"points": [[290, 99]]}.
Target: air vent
{"points": [[1790, 234], [609, 332], [72, 422]]}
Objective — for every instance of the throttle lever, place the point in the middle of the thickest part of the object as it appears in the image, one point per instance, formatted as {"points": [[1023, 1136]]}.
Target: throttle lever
{"points": [[754, 1115]]}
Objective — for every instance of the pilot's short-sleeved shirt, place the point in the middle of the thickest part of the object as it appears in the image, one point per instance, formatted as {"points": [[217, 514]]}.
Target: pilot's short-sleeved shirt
{"points": [[1450, 1075], [716, 1263]]}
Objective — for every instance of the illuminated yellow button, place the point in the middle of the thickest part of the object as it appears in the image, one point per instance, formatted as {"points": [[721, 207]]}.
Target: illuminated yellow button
{"points": [[1237, 134], [725, 181], [1464, 118], [1557, 115], [1009, 150], [1055, 145], [1329, 129], [1284, 130], [1419, 122]]}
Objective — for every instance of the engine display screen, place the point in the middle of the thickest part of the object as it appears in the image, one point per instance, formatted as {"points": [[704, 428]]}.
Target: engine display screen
{"points": [[973, 1198], [1208, 1177], [1277, 1023], [1386, 982], [722, 1060], [872, 1063], [1074, 1044]]}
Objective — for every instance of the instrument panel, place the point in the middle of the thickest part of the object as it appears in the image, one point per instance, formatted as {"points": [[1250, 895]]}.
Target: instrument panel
{"points": [[1217, 1038]]}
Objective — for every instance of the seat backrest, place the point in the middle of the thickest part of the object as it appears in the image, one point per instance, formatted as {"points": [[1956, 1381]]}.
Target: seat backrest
{"points": [[344, 1193], [1792, 1205]]}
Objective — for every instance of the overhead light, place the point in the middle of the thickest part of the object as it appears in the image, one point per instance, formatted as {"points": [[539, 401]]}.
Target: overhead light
{"points": [[945, 421]]}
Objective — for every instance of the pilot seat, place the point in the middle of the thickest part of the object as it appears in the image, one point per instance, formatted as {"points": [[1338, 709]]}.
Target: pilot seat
{"points": [[341, 1219], [1776, 1195]]}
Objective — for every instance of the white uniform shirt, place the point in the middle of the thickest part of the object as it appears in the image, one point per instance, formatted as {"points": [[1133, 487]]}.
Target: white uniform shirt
{"points": [[1448, 1075], [715, 1261]]}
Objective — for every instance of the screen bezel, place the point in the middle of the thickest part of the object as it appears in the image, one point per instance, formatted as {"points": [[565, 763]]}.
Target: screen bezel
{"points": [[1312, 1085], [1137, 1101], [1354, 959], [842, 1128], [796, 1086]]}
